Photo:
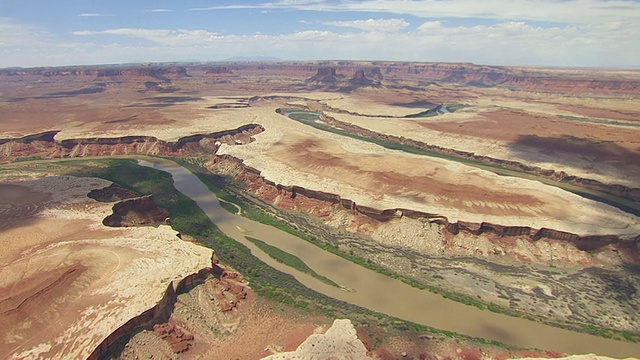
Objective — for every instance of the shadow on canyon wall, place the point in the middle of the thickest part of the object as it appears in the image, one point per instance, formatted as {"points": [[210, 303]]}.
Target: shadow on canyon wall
{"points": [[15, 223], [63, 94], [164, 101], [174, 99], [585, 148]]}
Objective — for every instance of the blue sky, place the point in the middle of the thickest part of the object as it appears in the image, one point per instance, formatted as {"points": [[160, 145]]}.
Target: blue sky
{"points": [[596, 33]]}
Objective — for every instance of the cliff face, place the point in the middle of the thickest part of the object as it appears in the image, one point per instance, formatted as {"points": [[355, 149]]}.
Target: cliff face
{"points": [[329, 79], [572, 82], [163, 73], [157, 314], [137, 211], [318, 203], [372, 77], [561, 176], [325, 75], [328, 74], [45, 146], [227, 288]]}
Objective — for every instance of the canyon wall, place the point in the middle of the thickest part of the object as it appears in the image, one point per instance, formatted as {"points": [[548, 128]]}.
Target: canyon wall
{"points": [[560, 176], [296, 196], [45, 146], [162, 73], [566, 81], [137, 211], [158, 314]]}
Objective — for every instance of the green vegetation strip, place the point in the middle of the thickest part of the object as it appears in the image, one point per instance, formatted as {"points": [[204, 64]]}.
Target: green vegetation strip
{"points": [[600, 121], [187, 218], [229, 207], [222, 188], [290, 260]]}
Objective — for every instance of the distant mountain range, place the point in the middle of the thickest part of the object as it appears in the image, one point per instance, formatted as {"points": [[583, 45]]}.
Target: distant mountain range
{"points": [[259, 58]]}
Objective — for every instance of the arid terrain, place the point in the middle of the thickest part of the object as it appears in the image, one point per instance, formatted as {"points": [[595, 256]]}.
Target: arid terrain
{"points": [[64, 273], [516, 190]]}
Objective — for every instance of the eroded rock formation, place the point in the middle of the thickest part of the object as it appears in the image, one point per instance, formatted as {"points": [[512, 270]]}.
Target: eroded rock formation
{"points": [[228, 288], [138, 211], [44, 145], [320, 204], [325, 75], [560, 176], [157, 314], [339, 342], [566, 81]]}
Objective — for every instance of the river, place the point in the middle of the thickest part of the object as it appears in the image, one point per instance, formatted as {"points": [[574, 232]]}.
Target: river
{"points": [[383, 294]]}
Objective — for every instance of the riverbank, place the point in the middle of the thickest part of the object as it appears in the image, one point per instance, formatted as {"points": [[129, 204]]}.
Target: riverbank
{"points": [[397, 299], [296, 290]]}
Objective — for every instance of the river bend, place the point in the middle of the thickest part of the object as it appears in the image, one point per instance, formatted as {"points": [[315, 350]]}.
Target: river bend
{"points": [[381, 293]]}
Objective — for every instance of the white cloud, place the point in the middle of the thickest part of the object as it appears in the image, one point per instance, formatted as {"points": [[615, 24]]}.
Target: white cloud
{"points": [[178, 37], [29, 45], [520, 32], [93, 15], [159, 10], [561, 11], [430, 26], [14, 33], [381, 25], [294, 4], [504, 43]]}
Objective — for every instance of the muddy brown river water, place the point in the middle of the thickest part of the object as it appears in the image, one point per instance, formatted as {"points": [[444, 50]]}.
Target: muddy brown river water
{"points": [[383, 294]]}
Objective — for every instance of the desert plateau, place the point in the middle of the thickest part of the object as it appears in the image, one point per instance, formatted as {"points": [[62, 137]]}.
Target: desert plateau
{"points": [[319, 209]]}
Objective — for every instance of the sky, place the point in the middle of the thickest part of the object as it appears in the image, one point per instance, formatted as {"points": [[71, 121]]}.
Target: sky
{"points": [[567, 33]]}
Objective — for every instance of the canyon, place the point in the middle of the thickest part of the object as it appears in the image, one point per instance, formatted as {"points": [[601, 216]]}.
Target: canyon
{"points": [[487, 215]]}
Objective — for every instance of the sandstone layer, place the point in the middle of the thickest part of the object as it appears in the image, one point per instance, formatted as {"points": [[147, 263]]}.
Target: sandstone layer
{"points": [[339, 342], [293, 154]]}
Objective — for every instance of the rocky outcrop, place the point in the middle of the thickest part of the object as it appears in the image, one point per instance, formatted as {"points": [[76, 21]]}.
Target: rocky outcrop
{"points": [[329, 79], [270, 191], [339, 342], [157, 317], [43, 137], [359, 78], [178, 339], [158, 314], [219, 71], [325, 75], [138, 211], [44, 145]]}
